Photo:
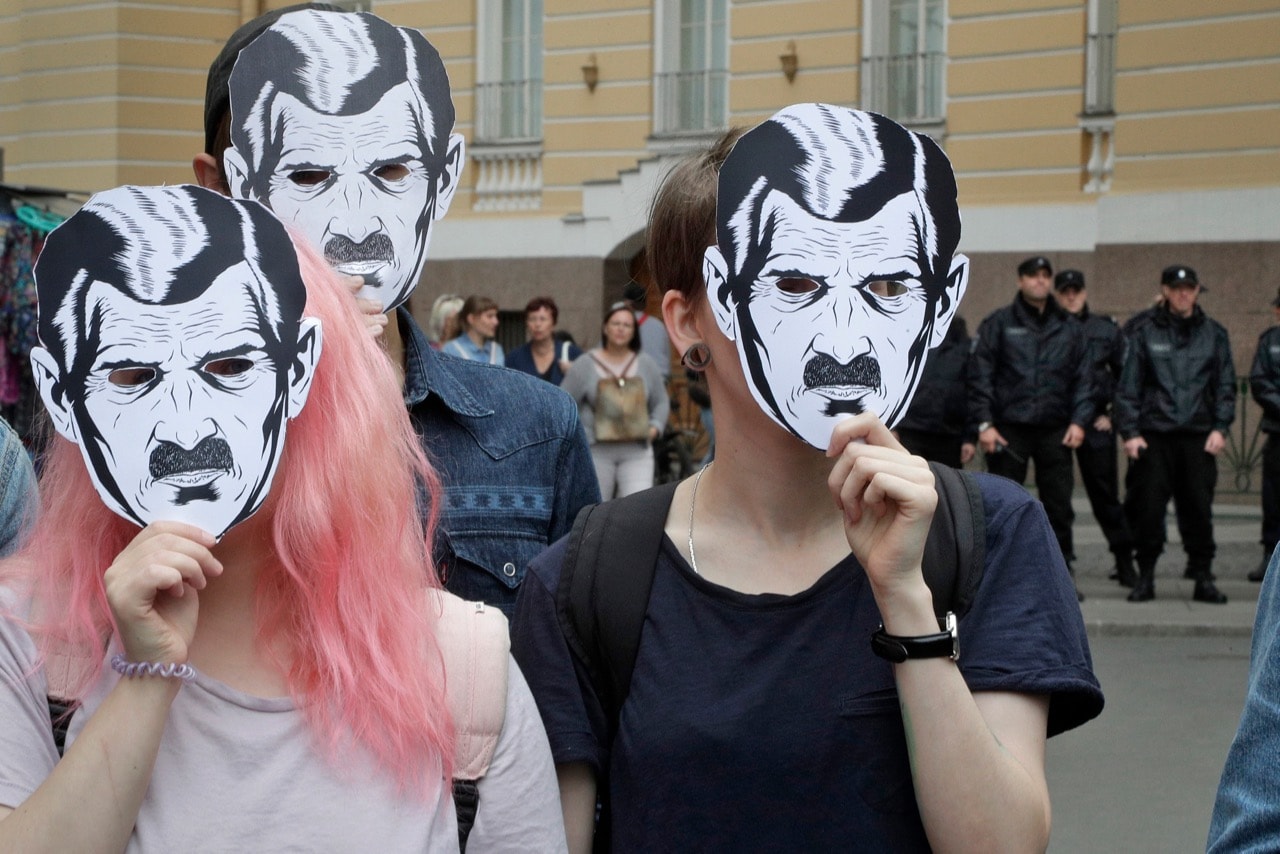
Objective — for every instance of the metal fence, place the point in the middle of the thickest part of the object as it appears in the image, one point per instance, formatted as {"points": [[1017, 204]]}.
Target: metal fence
{"points": [[690, 101], [509, 111], [907, 87]]}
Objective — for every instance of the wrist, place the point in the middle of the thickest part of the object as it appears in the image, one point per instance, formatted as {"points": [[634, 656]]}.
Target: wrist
{"points": [[907, 609]]}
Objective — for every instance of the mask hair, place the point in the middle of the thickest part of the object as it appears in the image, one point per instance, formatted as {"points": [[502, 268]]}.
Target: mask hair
{"points": [[347, 597]]}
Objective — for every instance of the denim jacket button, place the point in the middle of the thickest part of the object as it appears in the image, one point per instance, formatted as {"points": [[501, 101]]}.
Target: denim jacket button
{"points": [[509, 569]]}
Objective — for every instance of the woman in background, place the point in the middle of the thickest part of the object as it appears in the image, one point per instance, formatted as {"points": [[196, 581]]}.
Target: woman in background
{"points": [[544, 356], [622, 402], [479, 317]]}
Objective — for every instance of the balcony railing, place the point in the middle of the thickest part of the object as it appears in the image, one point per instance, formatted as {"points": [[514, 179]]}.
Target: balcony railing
{"points": [[906, 87], [1100, 74], [508, 176], [692, 101], [509, 111]]}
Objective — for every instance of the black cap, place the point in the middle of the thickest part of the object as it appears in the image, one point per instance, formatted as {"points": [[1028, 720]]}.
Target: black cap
{"points": [[1179, 275], [1069, 280], [1035, 264], [217, 97]]}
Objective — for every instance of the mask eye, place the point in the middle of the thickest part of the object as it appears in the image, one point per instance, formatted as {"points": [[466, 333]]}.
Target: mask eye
{"points": [[131, 377], [309, 177], [796, 285], [230, 367], [392, 172], [887, 288]]}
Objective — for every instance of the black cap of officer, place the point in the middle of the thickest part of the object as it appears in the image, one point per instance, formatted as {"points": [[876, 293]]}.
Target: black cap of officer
{"points": [[1035, 264], [1069, 280], [1179, 275]]}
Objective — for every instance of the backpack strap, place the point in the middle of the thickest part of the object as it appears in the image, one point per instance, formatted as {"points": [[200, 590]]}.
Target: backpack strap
{"points": [[955, 551], [475, 645], [604, 587]]}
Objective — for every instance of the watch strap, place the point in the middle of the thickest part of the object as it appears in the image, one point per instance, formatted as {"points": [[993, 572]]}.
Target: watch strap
{"points": [[896, 648]]}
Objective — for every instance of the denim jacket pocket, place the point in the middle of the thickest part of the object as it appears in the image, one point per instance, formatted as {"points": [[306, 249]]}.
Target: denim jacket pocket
{"points": [[880, 745], [505, 555]]}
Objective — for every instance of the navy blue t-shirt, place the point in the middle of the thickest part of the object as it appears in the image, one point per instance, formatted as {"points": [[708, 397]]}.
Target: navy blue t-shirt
{"points": [[763, 722]]}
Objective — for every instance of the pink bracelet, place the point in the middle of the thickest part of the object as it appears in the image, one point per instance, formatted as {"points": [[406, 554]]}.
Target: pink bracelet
{"points": [[124, 667]]}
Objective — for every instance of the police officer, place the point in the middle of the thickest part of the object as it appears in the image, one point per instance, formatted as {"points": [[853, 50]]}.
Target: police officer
{"points": [[1174, 405], [1031, 394], [936, 425], [1096, 456], [1264, 382]]}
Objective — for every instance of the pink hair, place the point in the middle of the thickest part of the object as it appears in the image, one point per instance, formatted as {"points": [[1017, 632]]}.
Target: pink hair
{"points": [[348, 592]]}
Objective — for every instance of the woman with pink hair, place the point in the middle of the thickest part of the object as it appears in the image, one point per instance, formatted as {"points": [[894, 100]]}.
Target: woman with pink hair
{"points": [[282, 687]]}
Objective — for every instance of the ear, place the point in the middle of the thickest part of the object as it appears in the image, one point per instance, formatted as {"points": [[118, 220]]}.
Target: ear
{"points": [[447, 183], [957, 282], [237, 172], [48, 377], [208, 175], [715, 272], [304, 366]]}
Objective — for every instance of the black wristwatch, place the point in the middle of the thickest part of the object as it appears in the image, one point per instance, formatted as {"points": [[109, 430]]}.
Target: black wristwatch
{"points": [[944, 644]]}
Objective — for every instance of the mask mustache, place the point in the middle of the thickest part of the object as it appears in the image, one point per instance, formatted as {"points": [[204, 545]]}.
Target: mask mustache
{"points": [[169, 459], [375, 247], [822, 370]]}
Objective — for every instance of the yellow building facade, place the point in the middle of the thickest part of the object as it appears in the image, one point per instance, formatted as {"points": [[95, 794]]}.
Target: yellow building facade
{"points": [[1115, 136]]}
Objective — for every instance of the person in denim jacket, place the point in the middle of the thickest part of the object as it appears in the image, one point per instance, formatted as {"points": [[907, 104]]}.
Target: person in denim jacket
{"points": [[17, 489], [513, 460], [511, 455], [1246, 814]]}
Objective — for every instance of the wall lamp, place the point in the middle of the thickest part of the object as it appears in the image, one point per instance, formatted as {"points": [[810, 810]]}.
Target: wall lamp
{"points": [[790, 61], [591, 73]]}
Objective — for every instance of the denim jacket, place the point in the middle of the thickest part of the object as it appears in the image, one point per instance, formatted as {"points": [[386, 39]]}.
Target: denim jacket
{"points": [[512, 459], [1246, 814], [17, 490]]}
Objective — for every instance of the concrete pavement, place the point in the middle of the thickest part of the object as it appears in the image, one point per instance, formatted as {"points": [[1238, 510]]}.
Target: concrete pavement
{"points": [[1237, 528]]}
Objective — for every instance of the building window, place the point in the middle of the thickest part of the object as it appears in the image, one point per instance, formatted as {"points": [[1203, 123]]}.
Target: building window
{"points": [[1100, 59], [904, 59], [692, 85], [509, 91]]}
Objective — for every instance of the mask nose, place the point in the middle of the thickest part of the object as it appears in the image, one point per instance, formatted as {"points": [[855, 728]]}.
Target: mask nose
{"points": [[180, 423], [359, 217]]}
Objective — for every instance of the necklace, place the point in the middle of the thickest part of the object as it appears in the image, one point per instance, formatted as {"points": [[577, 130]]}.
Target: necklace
{"points": [[693, 500]]}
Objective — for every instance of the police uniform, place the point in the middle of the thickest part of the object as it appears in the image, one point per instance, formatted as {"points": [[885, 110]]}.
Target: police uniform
{"points": [[1264, 382], [1177, 385], [935, 426], [1096, 456], [1029, 378]]}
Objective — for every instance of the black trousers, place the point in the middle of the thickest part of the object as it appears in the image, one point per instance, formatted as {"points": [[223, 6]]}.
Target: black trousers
{"points": [[1097, 461], [1054, 477], [936, 447], [1271, 492], [1173, 465]]}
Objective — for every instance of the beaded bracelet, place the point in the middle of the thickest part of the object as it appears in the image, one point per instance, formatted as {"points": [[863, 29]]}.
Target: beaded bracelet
{"points": [[124, 667]]}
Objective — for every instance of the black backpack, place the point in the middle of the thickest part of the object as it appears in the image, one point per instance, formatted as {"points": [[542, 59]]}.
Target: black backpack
{"points": [[602, 613]]}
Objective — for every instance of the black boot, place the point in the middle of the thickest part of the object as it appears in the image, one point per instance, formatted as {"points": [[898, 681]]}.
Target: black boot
{"points": [[1206, 591], [1124, 570], [1145, 588], [1261, 572]]}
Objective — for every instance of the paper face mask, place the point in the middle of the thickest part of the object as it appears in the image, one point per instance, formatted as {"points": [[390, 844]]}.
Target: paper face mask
{"points": [[342, 124], [174, 350], [835, 270]]}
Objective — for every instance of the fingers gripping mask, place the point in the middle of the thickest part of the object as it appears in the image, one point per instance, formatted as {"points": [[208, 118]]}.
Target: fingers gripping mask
{"points": [[174, 350], [835, 270], [342, 124]]}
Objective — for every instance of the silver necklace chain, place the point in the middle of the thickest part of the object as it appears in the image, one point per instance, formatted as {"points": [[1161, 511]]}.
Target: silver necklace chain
{"points": [[693, 500]]}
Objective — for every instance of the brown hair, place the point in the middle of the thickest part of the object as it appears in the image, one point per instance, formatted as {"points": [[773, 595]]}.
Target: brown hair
{"points": [[682, 220], [543, 302], [474, 305], [634, 343]]}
